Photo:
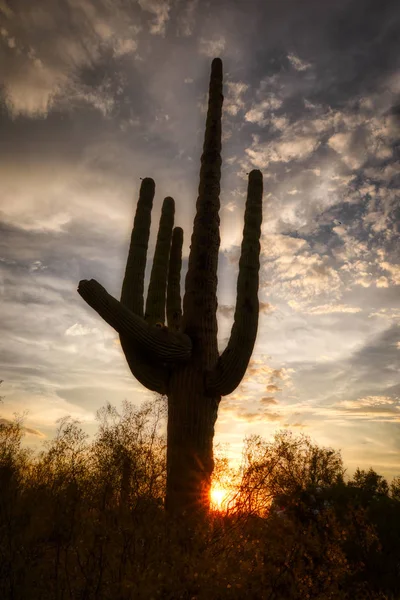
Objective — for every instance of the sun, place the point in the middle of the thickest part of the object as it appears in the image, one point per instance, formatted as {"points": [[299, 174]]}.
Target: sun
{"points": [[218, 496]]}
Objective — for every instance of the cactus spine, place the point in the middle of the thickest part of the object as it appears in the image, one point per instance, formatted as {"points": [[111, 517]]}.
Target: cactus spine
{"points": [[182, 360]]}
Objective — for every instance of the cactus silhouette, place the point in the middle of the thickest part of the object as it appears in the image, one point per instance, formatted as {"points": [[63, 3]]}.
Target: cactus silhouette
{"points": [[181, 360]]}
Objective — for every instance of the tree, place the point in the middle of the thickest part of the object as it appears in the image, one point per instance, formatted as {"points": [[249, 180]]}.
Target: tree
{"points": [[369, 483], [181, 360], [285, 468], [395, 488]]}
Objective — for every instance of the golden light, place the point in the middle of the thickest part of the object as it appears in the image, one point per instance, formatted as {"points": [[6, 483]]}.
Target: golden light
{"points": [[218, 496]]}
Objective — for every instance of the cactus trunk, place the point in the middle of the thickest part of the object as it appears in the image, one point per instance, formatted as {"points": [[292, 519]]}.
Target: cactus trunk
{"points": [[181, 359], [191, 419]]}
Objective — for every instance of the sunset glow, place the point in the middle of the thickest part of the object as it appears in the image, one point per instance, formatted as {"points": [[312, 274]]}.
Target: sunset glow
{"points": [[218, 498]]}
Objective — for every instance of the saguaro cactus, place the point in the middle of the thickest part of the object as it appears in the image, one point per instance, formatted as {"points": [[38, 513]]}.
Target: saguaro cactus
{"points": [[181, 360]]}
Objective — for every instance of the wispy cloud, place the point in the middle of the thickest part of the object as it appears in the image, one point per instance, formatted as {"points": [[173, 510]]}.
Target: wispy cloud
{"points": [[187, 18], [160, 9], [212, 47], [42, 68], [297, 63], [26, 430]]}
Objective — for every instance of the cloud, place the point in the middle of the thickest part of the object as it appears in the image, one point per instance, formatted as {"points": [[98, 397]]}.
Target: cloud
{"points": [[259, 372], [296, 270], [229, 311], [343, 144], [367, 136], [297, 63], [187, 18], [369, 264], [384, 173], [340, 142], [296, 424], [361, 379], [380, 216], [376, 409], [388, 314], [260, 113], [248, 403], [124, 46], [48, 49], [212, 47], [32, 92], [272, 388], [233, 99], [266, 308], [268, 400], [326, 309], [286, 149], [262, 415], [226, 311], [160, 9], [371, 407], [26, 430], [363, 131], [393, 270], [77, 329], [237, 409]]}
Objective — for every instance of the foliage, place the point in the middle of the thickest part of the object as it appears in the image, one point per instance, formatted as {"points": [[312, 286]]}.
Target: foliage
{"points": [[84, 519], [284, 468]]}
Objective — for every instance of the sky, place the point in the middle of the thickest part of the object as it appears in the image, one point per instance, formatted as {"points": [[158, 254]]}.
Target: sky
{"points": [[97, 94]]}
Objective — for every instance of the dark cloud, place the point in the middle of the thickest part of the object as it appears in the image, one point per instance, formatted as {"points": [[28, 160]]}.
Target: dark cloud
{"points": [[370, 371], [365, 36], [267, 400], [272, 388], [376, 364]]}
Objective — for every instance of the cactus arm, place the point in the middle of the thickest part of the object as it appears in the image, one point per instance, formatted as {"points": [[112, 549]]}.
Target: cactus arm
{"points": [[133, 284], [153, 377], [199, 319], [156, 343], [174, 306], [132, 296], [155, 303], [232, 364]]}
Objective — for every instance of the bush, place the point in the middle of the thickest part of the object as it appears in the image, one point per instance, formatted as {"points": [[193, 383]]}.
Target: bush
{"points": [[85, 520]]}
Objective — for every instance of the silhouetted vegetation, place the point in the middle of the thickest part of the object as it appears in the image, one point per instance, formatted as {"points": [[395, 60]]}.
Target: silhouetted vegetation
{"points": [[180, 358], [84, 519]]}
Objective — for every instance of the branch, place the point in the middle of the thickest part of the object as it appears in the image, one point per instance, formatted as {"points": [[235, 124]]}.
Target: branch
{"points": [[158, 343], [152, 376], [155, 303], [133, 284], [174, 305], [232, 364]]}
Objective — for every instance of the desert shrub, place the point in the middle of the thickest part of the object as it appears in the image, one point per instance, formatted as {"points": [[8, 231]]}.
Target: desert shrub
{"points": [[84, 519]]}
